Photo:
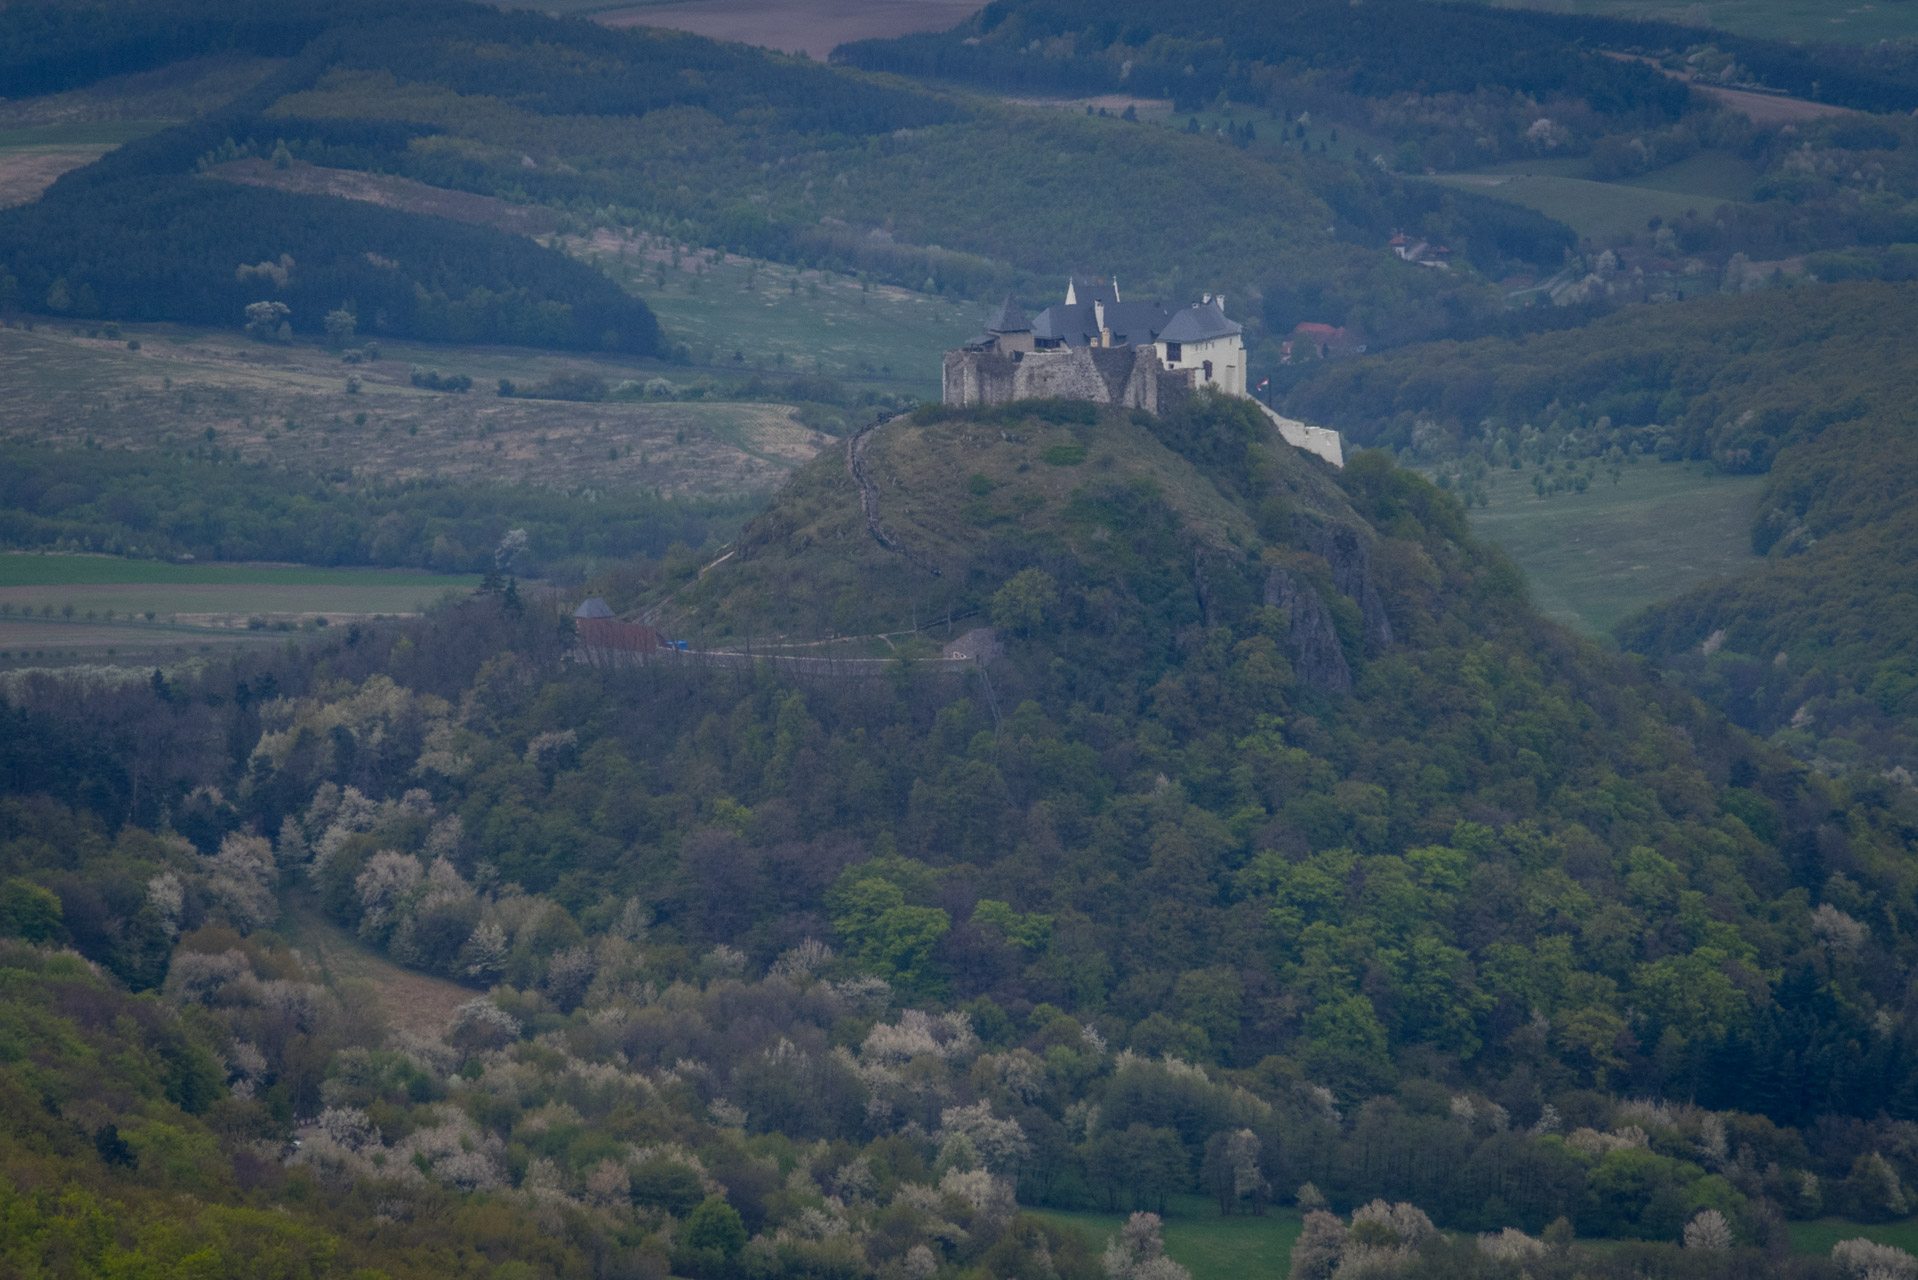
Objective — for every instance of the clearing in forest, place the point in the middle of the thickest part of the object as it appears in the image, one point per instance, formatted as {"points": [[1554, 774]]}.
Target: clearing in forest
{"points": [[412, 1002], [1595, 558], [1209, 1246]]}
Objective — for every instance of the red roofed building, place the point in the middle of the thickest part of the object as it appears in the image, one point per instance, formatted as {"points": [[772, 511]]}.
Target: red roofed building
{"points": [[604, 639], [1320, 342]]}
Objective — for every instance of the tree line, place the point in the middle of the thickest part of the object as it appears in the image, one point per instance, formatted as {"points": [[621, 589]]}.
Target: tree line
{"points": [[170, 506]]}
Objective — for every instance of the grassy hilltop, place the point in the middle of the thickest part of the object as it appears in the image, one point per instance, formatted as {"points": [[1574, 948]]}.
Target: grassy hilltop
{"points": [[969, 498]]}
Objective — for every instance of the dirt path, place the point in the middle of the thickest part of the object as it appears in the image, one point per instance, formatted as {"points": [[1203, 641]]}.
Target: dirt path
{"points": [[410, 1001], [869, 495]]}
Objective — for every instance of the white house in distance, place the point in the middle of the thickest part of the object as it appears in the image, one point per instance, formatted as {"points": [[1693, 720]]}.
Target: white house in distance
{"points": [[1201, 339]]}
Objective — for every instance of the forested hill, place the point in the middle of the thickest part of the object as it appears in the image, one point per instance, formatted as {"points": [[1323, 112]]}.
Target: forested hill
{"points": [[137, 237], [1279, 787], [711, 144], [1813, 386], [1393, 47], [1733, 380]]}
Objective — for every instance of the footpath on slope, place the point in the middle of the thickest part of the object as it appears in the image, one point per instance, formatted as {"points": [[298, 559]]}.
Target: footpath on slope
{"points": [[413, 1002]]}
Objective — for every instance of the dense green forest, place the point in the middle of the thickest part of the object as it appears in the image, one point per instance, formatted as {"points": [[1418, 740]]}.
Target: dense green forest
{"points": [[1283, 846], [50, 45], [1242, 49], [183, 249], [205, 507]]}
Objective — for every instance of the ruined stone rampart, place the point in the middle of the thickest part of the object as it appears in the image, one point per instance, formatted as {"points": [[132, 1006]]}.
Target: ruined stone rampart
{"points": [[1131, 377]]}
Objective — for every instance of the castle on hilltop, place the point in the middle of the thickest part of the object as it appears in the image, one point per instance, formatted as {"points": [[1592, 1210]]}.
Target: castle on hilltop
{"points": [[1095, 346]]}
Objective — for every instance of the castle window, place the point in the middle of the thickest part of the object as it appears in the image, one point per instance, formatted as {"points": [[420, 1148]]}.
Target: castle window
{"points": [[1172, 352], [1208, 371]]}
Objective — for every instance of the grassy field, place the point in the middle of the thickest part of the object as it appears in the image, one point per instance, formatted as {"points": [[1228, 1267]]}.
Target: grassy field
{"points": [[406, 1001], [33, 155], [1818, 1237], [28, 570], [136, 101], [1196, 1237], [734, 315], [1840, 23], [74, 607], [773, 316], [228, 604], [1596, 557], [206, 594], [1597, 211], [1215, 1248], [1717, 176], [813, 27], [187, 388], [1711, 175]]}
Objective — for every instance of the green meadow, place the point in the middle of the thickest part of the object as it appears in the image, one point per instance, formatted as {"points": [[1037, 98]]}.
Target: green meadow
{"points": [[1599, 211], [1819, 1236], [739, 314], [1561, 188], [80, 605], [29, 570], [1196, 1237], [1596, 557]]}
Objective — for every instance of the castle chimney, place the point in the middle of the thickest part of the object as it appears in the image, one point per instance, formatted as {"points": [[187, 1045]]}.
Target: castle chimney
{"points": [[1221, 300], [1099, 318], [1207, 301]]}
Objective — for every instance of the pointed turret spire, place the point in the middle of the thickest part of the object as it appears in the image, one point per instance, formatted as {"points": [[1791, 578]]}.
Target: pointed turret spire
{"points": [[1009, 319]]}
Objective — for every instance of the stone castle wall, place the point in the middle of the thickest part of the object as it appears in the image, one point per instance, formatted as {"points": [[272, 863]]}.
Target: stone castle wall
{"points": [[1131, 377]]}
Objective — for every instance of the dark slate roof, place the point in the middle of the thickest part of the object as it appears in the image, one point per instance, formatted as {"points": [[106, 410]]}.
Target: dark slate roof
{"points": [[594, 607], [1078, 325], [1010, 319], [1200, 322], [1085, 292]]}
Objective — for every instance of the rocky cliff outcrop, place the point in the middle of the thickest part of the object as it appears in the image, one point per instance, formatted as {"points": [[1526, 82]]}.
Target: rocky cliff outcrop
{"points": [[1317, 654], [1349, 556]]}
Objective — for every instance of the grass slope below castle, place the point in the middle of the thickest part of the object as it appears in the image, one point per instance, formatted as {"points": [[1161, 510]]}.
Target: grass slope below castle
{"points": [[962, 500]]}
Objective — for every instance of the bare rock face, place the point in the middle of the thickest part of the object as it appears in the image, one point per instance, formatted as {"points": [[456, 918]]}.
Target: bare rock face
{"points": [[1350, 559], [1316, 654]]}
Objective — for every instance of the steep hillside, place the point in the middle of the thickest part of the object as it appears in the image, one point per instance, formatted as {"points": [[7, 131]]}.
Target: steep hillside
{"points": [[1282, 844], [940, 507], [1810, 387], [1733, 380]]}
